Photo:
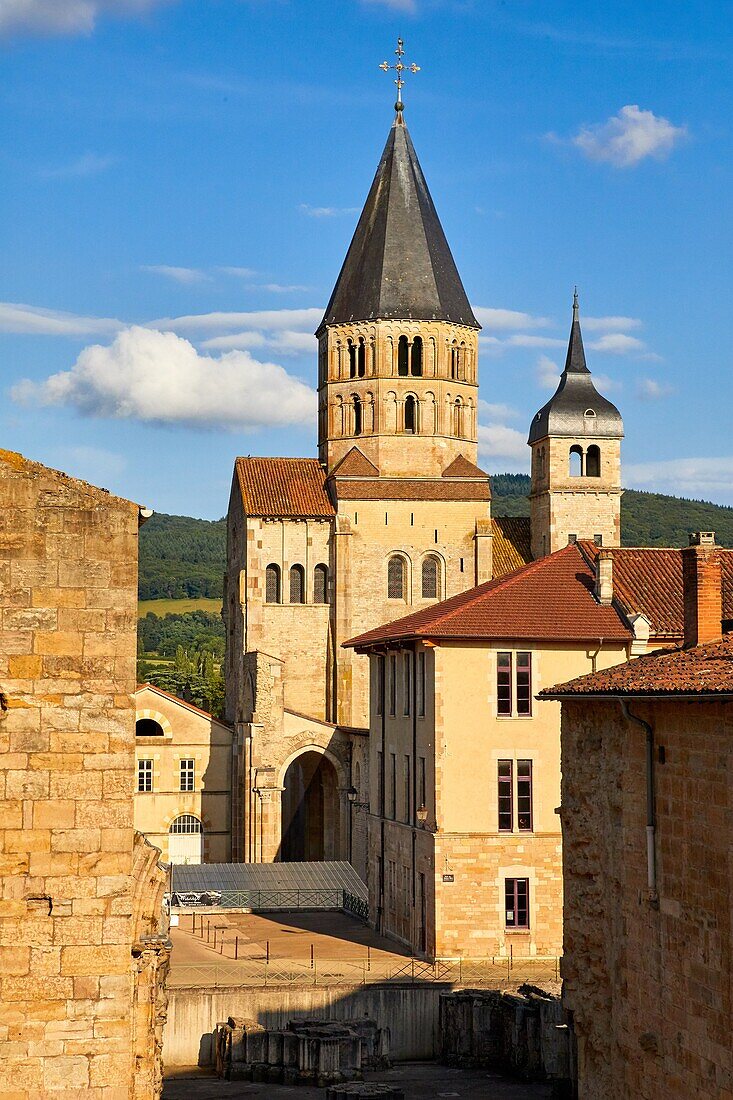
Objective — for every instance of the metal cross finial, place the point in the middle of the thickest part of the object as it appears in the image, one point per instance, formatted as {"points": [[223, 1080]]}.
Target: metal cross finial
{"points": [[575, 304], [399, 67]]}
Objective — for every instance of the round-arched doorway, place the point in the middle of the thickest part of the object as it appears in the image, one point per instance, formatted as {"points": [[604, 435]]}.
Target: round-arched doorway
{"points": [[186, 840], [310, 819]]}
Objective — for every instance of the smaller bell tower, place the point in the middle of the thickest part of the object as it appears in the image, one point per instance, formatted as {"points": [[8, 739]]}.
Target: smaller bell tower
{"points": [[576, 459]]}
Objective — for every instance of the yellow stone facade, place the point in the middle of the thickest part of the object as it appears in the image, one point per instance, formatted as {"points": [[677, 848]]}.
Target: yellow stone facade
{"points": [[187, 733], [84, 949]]}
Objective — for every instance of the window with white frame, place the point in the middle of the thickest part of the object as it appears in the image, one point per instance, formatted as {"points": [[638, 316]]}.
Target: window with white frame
{"points": [[144, 776], [187, 774], [514, 792]]}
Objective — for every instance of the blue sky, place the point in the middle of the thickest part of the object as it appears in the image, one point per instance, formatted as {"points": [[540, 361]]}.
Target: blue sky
{"points": [[181, 180]]}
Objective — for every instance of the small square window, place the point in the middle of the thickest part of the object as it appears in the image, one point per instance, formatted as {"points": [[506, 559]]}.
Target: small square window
{"points": [[572, 539], [598, 540]]}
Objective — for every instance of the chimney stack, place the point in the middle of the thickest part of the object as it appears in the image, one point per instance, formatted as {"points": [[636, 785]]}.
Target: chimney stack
{"points": [[604, 577], [702, 590]]}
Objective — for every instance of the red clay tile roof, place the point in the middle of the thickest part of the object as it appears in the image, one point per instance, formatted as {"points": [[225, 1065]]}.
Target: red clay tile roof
{"points": [[284, 487], [461, 467], [355, 464], [648, 579], [511, 543], [407, 488], [550, 599], [702, 670]]}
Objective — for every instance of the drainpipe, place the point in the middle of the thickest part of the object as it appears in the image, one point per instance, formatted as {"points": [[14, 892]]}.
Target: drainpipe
{"points": [[651, 858]]}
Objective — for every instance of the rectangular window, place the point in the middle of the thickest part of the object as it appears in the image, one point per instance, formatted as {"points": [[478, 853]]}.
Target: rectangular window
{"points": [[380, 684], [524, 684], [506, 800], [516, 895], [144, 776], [407, 683], [393, 786], [421, 782], [421, 685], [504, 684], [524, 795], [187, 775], [392, 684], [406, 816]]}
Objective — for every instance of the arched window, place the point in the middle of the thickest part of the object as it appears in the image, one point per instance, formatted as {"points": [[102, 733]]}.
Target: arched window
{"points": [[357, 416], [410, 413], [576, 462], [361, 358], [148, 727], [462, 361], [589, 412], [457, 417], [320, 584], [186, 823], [352, 359], [403, 356], [416, 357], [396, 578], [593, 461], [297, 584], [272, 584], [430, 578]]}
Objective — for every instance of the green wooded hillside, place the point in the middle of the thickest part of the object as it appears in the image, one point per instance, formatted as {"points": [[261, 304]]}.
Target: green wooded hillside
{"points": [[184, 557], [647, 519], [181, 556]]}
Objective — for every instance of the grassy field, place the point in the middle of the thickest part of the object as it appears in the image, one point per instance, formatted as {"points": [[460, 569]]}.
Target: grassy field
{"points": [[177, 607]]}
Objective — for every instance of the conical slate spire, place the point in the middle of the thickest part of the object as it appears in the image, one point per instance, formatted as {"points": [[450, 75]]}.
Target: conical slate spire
{"points": [[399, 265], [575, 359], [576, 408]]}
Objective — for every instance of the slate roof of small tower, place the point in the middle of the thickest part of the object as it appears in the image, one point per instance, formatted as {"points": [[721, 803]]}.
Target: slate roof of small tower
{"points": [[399, 264], [564, 413]]}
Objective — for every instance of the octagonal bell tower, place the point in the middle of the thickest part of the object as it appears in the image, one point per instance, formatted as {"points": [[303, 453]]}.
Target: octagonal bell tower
{"points": [[398, 344]]}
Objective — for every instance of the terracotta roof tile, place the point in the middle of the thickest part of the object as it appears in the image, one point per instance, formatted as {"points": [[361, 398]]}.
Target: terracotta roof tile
{"points": [[355, 464], [461, 467], [284, 487], [406, 488], [648, 579], [550, 599], [511, 543], [702, 670]]}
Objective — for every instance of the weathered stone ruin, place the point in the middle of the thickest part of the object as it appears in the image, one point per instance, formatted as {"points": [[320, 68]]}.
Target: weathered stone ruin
{"points": [[307, 1052], [365, 1091], [522, 1032]]}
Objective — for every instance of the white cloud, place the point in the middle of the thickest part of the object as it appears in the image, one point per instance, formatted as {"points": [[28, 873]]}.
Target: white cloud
{"points": [[327, 211], [276, 288], [89, 164], [161, 378], [547, 373], [497, 441], [187, 276], [605, 384], [690, 477], [497, 412], [649, 389], [64, 16], [270, 320], [239, 272], [409, 6], [35, 321], [507, 318], [618, 343], [629, 137], [236, 341], [609, 324], [522, 340]]}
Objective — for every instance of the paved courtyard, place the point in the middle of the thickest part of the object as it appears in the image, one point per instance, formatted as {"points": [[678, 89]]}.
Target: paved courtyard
{"points": [[420, 1081]]}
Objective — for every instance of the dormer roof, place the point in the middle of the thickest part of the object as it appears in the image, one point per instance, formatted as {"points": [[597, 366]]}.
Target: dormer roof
{"points": [[399, 265]]}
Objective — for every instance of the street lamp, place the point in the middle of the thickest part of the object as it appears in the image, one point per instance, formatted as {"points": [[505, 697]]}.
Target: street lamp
{"points": [[421, 814]]}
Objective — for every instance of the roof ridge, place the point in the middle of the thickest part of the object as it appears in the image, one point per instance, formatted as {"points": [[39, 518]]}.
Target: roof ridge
{"points": [[276, 458]]}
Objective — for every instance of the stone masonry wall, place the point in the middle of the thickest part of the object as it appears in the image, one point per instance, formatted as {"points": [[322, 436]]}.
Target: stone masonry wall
{"points": [[648, 977], [80, 929]]}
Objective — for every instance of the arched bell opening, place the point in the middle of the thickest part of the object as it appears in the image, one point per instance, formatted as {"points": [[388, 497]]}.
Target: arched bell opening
{"points": [[310, 820]]}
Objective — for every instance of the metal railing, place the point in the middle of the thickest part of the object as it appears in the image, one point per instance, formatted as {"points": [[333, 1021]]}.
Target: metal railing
{"points": [[497, 972], [273, 900]]}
